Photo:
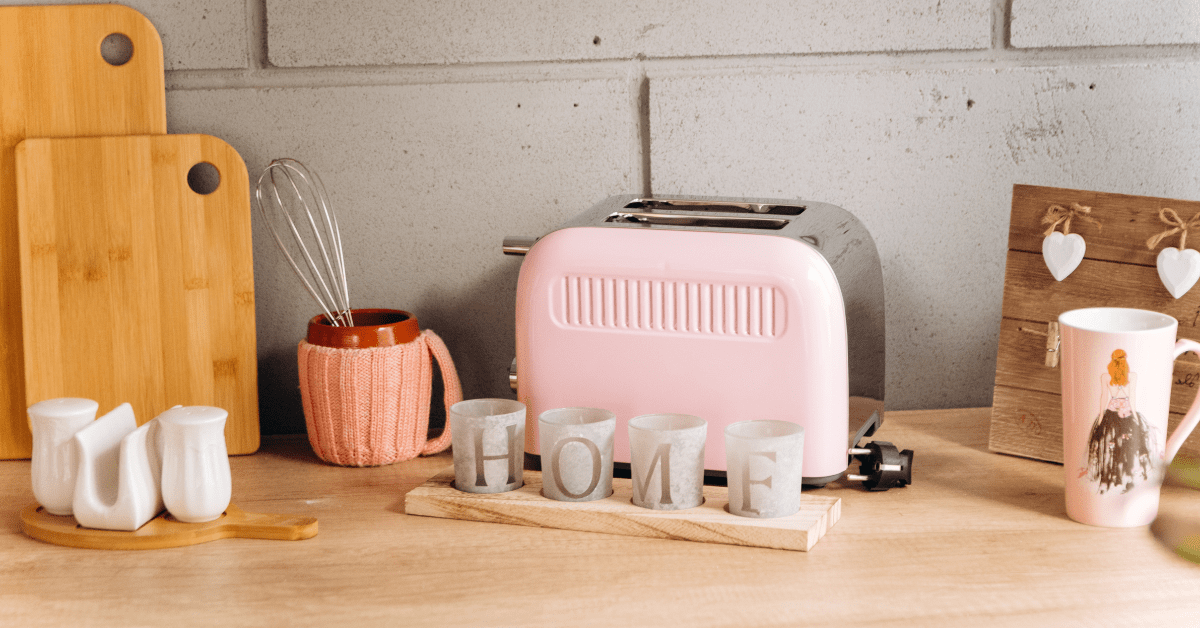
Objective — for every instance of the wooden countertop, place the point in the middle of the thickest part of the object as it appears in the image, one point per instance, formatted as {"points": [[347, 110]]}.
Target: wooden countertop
{"points": [[978, 538]]}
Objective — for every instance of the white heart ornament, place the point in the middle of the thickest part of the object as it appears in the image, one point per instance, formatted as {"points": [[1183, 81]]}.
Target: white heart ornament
{"points": [[1178, 270], [1062, 253]]}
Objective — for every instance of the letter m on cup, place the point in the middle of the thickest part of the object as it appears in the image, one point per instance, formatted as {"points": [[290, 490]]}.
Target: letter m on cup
{"points": [[662, 458], [513, 455]]}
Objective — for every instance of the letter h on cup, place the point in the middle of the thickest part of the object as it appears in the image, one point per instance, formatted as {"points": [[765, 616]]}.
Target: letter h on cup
{"points": [[483, 431], [512, 453]]}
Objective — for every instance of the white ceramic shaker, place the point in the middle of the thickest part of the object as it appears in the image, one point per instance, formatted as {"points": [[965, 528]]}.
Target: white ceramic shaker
{"points": [[53, 463], [196, 485]]}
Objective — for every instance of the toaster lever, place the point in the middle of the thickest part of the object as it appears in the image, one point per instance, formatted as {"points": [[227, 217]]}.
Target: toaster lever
{"points": [[698, 220], [713, 205], [884, 466], [518, 245]]}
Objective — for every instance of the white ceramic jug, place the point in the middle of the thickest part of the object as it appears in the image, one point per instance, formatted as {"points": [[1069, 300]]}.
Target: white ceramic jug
{"points": [[196, 484]]}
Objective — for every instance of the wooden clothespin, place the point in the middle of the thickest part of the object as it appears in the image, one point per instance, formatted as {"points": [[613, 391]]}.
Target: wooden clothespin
{"points": [[1053, 342]]}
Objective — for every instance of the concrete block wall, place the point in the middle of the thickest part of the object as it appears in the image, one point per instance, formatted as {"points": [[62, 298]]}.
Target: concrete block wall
{"points": [[440, 127]]}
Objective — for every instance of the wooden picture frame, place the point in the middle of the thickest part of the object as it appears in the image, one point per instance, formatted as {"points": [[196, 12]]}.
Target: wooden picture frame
{"points": [[1118, 270]]}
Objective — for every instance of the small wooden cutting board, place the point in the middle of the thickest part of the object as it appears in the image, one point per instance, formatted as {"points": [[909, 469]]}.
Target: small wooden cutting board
{"points": [[136, 287], [55, 83]]}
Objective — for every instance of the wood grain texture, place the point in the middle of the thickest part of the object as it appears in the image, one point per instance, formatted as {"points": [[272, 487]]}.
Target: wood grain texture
{"points": [[165, 531], [1127, 221], [1096, 283], [710, 522], [1117, 271], [54, 83], [1030, 424], [134, 287], [978, 539], [1018, 366]]}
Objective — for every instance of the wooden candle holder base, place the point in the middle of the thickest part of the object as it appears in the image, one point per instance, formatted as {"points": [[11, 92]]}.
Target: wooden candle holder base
{"points": [[166, 531], [708, 523]]}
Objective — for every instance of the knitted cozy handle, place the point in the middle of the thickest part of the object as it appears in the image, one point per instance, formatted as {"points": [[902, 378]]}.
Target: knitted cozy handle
{"points": [[453, 388]]}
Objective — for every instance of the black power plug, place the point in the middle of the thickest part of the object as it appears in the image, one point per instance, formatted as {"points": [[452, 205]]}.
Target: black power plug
{"points": [[881, 466]]}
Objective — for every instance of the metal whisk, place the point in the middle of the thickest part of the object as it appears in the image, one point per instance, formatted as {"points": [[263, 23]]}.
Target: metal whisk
{"points": [[291, 191]]}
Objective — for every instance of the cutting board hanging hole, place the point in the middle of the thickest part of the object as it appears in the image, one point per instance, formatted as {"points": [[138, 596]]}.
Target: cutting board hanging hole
{"points": [[204, 178], [116, 49]]}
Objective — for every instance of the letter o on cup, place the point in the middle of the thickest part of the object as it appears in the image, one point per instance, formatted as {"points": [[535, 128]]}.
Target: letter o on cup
{"points": [[577, 453]]}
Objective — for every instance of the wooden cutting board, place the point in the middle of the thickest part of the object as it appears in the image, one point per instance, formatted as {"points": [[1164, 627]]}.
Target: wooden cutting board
{"points": [[135, 287], [55, 83]]}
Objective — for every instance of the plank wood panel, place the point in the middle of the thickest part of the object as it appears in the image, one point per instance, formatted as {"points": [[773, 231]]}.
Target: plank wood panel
{"points": [[135, 287], [1026, 423], [1117, 271], [1020, 365], [1020, 362], [1030, 293], [1126, 222], [54, 83], [1029, 423], [709, 522]]}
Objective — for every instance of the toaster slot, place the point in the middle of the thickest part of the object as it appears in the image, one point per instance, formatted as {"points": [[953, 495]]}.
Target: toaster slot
{"points": [[698, 220], [728, 207]]}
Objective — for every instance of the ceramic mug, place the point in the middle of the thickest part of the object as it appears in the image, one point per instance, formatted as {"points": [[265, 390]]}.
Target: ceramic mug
{"points": [[1117, 368], [366, 388]]}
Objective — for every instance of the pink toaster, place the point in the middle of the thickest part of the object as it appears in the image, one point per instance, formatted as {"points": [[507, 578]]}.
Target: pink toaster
{"points": [[727, 309]]}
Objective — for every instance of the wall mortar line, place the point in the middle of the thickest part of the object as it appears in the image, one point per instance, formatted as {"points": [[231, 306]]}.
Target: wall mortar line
{"points": [[363, 76], [256, 38], [1001, 24], [640, 96]]}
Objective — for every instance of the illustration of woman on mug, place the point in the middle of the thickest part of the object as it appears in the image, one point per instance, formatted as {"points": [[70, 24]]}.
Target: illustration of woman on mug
{"points": [[1121, 444]]}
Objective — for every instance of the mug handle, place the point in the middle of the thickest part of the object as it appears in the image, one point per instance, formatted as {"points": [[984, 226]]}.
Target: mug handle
{"points": [[453, 388], [1193, 414]]}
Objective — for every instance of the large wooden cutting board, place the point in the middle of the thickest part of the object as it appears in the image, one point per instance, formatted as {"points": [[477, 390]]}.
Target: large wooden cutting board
{"points": [[135, 287], [55, 83]]}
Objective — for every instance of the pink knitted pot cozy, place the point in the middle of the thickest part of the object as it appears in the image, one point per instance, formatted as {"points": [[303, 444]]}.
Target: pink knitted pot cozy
{"points": [[369, 407]]}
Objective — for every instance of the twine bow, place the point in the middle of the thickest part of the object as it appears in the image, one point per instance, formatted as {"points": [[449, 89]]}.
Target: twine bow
{"points": [[1169, 216], [1057, 214]]}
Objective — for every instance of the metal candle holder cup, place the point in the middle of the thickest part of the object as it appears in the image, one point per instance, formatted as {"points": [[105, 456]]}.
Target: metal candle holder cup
{"points": [[577, 453], [765, 468], [488, 441], [667, 460]]}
